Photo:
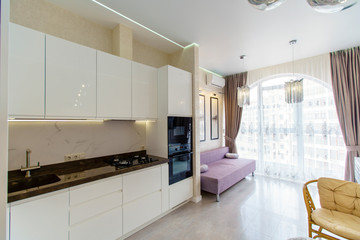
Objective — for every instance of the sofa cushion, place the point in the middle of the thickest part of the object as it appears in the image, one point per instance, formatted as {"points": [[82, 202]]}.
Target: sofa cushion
{"points": [[203, 168], [232, 155], [213, 155], [339, 195], [224, 173], [345, 225]]}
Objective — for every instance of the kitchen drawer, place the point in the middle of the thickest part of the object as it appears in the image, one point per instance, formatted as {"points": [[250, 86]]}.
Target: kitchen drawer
{"points": [[180, 192], [141, 183], [91, 208], [107, 226], [142, 210], [90, 191]]}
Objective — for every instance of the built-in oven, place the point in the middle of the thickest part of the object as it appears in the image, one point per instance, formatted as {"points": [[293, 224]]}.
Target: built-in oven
{"points": [[180, 167], [179, 148]]}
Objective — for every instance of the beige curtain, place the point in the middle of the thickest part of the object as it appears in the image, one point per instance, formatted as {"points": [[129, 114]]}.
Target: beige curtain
{"points": [[232, 110], [345, 71]]}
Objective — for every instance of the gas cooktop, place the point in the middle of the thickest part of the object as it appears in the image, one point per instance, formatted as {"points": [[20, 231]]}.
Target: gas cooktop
{"points": [[131, 161]]}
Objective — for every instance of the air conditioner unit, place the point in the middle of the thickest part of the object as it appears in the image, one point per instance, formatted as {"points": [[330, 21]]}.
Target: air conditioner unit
{"points": [[214, 81]]}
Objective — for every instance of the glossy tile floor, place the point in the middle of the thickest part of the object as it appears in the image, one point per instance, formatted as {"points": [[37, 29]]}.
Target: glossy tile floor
{"points": [[257, 208]]}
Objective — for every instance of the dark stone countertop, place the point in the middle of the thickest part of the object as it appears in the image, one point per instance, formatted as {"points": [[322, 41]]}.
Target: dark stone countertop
{"points": [[75, 173]]}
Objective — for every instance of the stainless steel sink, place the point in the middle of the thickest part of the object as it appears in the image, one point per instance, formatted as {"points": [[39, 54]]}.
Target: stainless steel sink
{"points": [[36, 181]]}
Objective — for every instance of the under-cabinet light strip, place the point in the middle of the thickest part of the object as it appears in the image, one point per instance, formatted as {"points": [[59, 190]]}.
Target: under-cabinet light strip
{"points": [[139, 24], [56, 120]]}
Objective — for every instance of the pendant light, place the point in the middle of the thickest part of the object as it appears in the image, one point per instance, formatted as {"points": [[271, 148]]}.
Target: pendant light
{"points": [[331, 6], [265, 5], [243, 93], [294, 87]]}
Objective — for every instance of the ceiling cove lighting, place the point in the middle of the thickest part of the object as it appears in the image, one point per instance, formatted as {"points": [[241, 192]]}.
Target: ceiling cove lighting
{"points": [[208, 71], [294, 87], [243, 93], [139, 24]]}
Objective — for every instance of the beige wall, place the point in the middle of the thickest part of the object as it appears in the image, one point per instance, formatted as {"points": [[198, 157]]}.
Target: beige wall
{"points": [[209, 92], [3, 117], [145, 54], [48, 18]]}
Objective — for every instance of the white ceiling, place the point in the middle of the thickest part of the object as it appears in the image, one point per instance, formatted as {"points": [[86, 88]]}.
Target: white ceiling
{"points": [[227, 29]]}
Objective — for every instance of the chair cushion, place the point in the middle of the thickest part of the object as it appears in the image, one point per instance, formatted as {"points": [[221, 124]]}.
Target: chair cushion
{"points": [[342, 224], [339, 195]]}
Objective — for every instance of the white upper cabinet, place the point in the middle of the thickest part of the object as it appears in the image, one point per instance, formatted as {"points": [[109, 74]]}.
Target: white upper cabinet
{"points": [[70, 79], [26, 72], [178, 92], [144, 91], [113, 86]]}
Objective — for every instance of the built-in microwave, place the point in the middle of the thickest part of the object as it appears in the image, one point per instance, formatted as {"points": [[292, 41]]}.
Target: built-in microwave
{"points": [[180, 167], [179, 130]]}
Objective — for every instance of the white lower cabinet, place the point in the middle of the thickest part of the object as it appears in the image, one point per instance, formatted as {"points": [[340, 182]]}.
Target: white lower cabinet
{"points": [[96, 210], [105, 209], [180, 192], [142, 197], [105, 226], [41, 219], [142, 210]]}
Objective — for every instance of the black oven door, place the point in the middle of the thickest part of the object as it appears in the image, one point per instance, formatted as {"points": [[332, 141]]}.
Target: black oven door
{"points": [[179, 130], [180, 167]]}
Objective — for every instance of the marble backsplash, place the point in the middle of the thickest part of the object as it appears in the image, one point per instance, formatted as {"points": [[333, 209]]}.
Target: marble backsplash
{"points": [[50, 141]]}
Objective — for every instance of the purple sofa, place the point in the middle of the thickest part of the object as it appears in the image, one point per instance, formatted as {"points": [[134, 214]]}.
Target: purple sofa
{"points": [[223, 172]]}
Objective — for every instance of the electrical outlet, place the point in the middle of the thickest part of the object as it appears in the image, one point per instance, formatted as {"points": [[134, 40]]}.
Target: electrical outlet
{"points": [[142, 147], [67, 157], [74, 156]]}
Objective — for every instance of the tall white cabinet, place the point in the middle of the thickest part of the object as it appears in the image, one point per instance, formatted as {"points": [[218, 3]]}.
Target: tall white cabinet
{"points": [[113, 87], [26, 72], [70, 79], [144, 91]]}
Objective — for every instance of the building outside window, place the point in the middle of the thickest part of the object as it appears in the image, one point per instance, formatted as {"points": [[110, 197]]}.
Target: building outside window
{"points": [[300, 141]]}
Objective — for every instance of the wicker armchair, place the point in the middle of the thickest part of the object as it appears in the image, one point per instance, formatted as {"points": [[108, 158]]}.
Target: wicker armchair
{"points": [[339, 212]]}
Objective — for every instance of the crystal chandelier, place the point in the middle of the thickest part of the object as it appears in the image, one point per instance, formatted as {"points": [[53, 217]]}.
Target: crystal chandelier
{"points": [[294, 88], [323, 6], [243, 96]]}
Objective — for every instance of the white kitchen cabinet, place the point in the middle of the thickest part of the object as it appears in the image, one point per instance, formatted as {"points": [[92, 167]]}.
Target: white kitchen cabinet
{"points": [[178, 93], [150, 180], [70, 79], [107, 226], [26, 72], [180, 192], [41, 219], [142, 197], [144, 91], [113, 87], [142, 210], [165, 187], [96, 210]]}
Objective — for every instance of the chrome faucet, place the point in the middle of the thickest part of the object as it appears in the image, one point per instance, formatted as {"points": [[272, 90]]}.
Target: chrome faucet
{"points": [[27, 168]]}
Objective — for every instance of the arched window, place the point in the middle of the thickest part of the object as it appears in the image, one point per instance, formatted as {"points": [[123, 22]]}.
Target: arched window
{"points": [[299, 141]]}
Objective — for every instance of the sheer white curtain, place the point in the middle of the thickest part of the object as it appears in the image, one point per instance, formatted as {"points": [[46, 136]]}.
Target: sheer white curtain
{"points": [[299, 141]]}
